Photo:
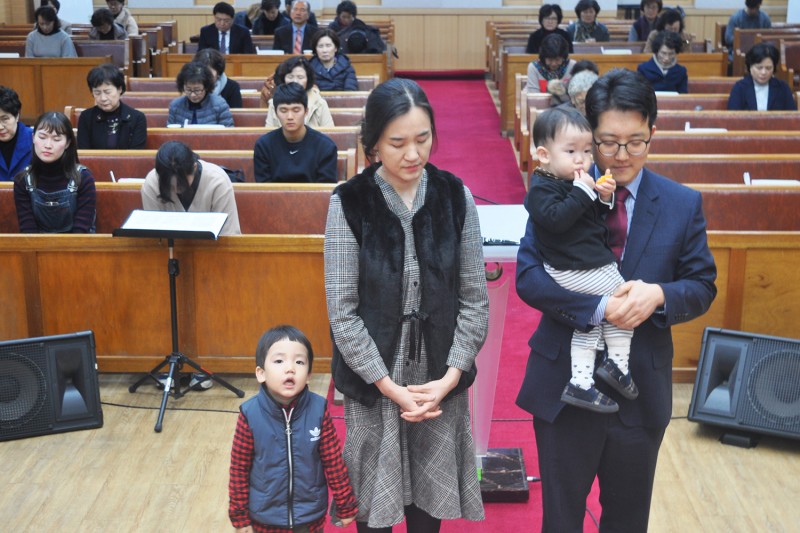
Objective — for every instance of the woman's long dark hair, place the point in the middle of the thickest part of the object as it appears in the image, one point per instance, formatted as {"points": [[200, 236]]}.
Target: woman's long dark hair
{"points": [[388, 101], [53, 121], [173, 159]]}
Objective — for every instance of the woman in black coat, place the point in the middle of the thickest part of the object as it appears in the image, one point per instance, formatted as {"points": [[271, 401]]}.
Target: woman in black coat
{"points": [[110, 124], [760, 90], [550, 17]]}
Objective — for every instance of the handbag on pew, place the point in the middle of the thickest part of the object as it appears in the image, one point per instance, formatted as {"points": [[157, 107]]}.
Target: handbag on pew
{"points": [[236, 176]]}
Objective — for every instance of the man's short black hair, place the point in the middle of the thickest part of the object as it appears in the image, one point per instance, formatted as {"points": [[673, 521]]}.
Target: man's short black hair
{"points": [[225, 8], [752, 4], [621, 90], [346, 6], [289, 93]]}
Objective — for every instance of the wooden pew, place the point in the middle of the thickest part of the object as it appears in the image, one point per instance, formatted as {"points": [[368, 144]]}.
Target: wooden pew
{"points": [[238, 65], [249, 101], [49, 84], [245, 139], [137, 163], [247, 83], [242, 117], [732, 120], [513, 64], [121, 52], [730, 142], [725, 168]]}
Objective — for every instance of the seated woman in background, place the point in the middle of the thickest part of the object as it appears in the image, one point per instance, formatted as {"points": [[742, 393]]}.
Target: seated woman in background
{"points": [[550, 17], [225, 87], [104, 28], [297, 69], [47, 38], [640, 30], [270, 18], [182, 182], [670, 20], [247, 17], [760, 90], [586, 29], [559, 88], [55, 194], [332, 69], [198, 105], [579, 85], [110, 124], [553, 64], [662, 70], [16, 139]]}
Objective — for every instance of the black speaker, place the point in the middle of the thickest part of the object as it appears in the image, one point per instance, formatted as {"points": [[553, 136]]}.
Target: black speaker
{"points": [[748, 382], [48, 385]]}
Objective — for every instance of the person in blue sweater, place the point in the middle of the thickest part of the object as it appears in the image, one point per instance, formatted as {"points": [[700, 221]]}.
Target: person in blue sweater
{"points": [[332, 69], [759, 89], [16, 140], [294, 153], [662, 70], [749, 18], [199, 104]]}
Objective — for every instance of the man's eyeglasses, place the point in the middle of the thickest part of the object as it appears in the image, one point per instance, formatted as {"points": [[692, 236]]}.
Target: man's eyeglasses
{"points": [[611, 148]]}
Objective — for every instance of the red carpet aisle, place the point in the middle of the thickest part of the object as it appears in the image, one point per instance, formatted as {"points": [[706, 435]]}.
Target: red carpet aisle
{"points": [[471, 147]]}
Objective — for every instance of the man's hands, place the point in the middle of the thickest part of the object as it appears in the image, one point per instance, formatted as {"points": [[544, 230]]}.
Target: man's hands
{"points": [[633, 303]]}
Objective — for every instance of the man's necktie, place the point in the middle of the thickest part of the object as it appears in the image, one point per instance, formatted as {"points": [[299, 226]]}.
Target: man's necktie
{"points": [[298, 42], [223, 43], [617, 222]]}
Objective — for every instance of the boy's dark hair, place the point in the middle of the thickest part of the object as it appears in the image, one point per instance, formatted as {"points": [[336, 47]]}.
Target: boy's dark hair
{"points": [[752, 4], [194, 72], [669, 16], [211, 57], [584, 64], [759, 53], [289, 93], [554, 120], [583, 5], [622, 90], [266, 5], [280, 333], [289, 65], [648, 2], [101, 16], [173, 159], [389, 100], [554, 46], [670, 39], [325, 32], [225, 8], [106, 73], [547, 10], [346, 6], [9, 101]]}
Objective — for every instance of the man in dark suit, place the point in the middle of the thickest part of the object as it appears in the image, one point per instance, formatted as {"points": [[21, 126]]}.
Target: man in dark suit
{"points": [[224, 35], [286, 37], [671, 273]]}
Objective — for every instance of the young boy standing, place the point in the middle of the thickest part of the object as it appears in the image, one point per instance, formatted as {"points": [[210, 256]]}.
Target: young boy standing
{"points": [[573, 240], [285, 450]]}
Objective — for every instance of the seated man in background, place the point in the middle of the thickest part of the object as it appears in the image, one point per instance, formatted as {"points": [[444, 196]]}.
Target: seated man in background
{"points": [[749, 18], [312, 18], [224, 35], [356, 36], [270, 18], [295, 153], [296, 37], [122, 16], [104, 28]]}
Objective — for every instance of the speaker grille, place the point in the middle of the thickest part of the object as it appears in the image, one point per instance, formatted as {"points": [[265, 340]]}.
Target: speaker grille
{"points": [[773, 388], [23, 390]]}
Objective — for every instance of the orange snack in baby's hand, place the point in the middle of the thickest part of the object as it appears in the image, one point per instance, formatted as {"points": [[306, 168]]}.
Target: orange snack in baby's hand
{"points": [[605, 176]]}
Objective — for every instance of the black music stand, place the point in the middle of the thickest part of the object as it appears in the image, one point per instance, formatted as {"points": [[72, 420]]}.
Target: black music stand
{"points": [[171, 226]]}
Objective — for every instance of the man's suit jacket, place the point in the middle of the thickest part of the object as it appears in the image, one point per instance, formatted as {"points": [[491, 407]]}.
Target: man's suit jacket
{"points": [[240, 41], [666, 245], [284, 38]]}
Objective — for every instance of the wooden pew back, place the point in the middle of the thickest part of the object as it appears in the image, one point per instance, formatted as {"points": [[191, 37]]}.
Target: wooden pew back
{"points": [[732, 120], [247, 83], [724, 168], [249, 101]]}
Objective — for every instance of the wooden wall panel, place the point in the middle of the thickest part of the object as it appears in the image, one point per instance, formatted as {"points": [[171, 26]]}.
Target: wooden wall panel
{"points": [[771, 291], [13, 300]]}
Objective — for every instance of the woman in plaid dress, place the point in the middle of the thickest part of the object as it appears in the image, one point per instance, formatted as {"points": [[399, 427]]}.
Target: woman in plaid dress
{"points": [[408, 308]]}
